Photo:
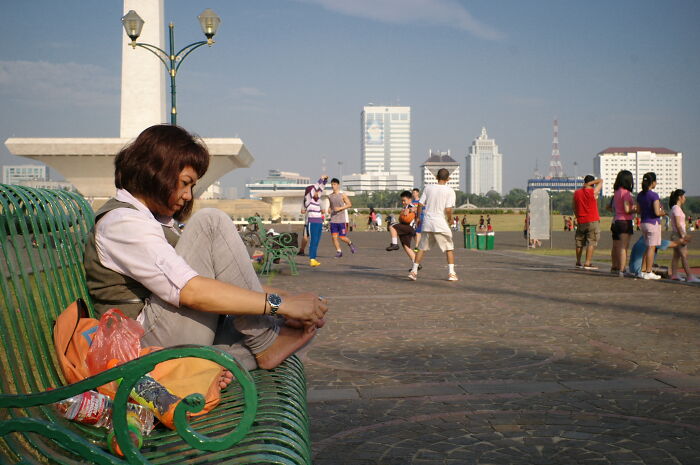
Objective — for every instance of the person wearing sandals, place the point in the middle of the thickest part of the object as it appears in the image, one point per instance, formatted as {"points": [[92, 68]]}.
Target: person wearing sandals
{"points": [[677, 216], [585, 205], [437, 201], [621, 228], [649, 206]]}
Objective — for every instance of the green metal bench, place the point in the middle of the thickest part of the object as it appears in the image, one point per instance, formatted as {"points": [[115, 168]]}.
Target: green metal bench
{"points": [[274, 248], [262, 417]]}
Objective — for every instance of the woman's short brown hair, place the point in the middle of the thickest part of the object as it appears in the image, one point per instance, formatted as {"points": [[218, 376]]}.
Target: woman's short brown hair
{"points": [[150, 165]]}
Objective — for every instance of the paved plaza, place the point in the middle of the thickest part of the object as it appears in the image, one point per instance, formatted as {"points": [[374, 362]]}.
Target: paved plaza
{"points": [[525, 360]]}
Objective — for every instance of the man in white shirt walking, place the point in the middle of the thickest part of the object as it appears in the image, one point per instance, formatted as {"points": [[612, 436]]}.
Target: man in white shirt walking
{"points": [[437, 203]]}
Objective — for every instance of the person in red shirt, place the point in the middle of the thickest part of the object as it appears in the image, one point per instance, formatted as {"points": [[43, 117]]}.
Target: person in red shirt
{"points": [[586, 210]]}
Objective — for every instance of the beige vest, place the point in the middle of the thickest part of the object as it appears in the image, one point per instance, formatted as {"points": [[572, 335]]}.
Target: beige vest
{"points": [[109, 289]]}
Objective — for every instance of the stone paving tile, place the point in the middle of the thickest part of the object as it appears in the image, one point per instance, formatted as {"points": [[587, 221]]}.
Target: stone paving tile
{"points": [[692, 382], [524, 360], [410, 391], [533, 387], [325, 395], [614, 384]]}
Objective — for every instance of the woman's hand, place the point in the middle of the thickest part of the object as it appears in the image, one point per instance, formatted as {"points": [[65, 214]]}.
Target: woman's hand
{"points": [[308, 308]]}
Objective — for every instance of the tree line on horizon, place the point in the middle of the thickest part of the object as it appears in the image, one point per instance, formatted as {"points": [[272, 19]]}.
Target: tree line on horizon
{"points": [[515, 198]]}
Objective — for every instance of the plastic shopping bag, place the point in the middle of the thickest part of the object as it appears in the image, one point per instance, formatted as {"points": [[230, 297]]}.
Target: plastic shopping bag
{"points": [[118, 338]]}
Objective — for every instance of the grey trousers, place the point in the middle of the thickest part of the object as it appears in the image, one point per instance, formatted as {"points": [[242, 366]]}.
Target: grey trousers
{"points": [[211, 245]]}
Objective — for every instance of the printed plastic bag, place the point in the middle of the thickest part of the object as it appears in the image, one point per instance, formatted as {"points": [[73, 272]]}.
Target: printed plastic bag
{"points": [[118, 338]]}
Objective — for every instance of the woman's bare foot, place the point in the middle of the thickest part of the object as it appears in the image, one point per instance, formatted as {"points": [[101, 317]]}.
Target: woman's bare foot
{"points": [[288, 341], [226, 379]]}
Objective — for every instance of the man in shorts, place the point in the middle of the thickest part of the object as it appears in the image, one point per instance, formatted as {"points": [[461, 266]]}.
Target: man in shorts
{"points": [[437, 201], [339, 204], [585, 206]]}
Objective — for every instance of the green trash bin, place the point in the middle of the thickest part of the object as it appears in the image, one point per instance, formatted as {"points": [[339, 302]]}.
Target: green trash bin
{"points": [[490, 239], [469, 238], [481, 241]]}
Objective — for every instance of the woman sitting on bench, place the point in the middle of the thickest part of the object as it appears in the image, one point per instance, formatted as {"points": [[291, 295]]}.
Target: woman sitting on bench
{"points": [[197, 286]]}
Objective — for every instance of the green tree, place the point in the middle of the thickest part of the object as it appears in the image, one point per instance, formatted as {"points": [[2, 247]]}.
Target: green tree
{"points": [[692, 205], [494, 199], [480, 201], [461, 198], [562, 202], [516, 198]]}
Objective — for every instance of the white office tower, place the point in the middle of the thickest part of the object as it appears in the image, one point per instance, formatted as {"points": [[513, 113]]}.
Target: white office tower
{"points": [[386, 140], [436, 161], [484, 171], [667, 164]]}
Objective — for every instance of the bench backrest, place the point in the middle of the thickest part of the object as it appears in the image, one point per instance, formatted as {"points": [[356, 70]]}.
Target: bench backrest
{"points": [[257, 225], [42, 237]]}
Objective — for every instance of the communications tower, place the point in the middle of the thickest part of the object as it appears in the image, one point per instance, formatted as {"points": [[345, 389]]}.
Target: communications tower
{"points": [[555, 168]]}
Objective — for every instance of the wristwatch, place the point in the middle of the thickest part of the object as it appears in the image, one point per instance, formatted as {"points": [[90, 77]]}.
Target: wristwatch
{"points": [[275, 301]]}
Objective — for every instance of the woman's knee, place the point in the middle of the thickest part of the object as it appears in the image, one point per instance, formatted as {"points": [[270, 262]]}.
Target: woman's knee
{"points": [[210, 218], [209, 214]]}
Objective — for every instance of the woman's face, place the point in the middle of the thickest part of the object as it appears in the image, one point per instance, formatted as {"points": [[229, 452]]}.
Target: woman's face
{"points": [[681, 200], [183, 192]]}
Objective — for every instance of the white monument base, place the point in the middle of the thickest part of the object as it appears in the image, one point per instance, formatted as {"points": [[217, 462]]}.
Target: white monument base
{"points": [[89, 163]]}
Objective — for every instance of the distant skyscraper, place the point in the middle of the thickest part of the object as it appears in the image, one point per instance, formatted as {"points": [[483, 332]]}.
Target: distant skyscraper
{"points": [[386, 140], [484, 166], [555, 168], [436, 161]]}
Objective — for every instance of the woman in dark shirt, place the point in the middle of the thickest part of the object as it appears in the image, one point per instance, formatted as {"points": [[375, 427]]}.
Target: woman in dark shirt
{"points": [[649, 206]]}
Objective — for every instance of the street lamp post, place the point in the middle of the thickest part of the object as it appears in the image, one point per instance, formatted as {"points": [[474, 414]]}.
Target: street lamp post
{"points": [[133, 24]]}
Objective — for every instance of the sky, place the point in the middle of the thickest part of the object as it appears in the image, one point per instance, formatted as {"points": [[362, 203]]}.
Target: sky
{"points": [[290, 77]]}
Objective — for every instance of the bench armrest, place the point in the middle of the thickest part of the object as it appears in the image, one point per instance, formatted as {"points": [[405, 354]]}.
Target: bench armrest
{"points": [[282, 240], [130, 373]]}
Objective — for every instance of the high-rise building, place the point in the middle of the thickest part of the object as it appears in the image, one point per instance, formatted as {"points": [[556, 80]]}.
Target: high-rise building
{"points": [[484, 170], [667, 164], [436, 161], [386, 140], [15, 174]]}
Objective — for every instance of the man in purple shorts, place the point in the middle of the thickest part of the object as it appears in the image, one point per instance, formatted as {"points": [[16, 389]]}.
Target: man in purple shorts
{"points": [[339, 204]]}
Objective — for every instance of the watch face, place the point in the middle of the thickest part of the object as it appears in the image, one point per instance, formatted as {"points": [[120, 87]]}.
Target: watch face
{"points": [[274, 300]]}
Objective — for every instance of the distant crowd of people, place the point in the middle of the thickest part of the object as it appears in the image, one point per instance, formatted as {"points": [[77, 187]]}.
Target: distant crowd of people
{"points": [[643, 213]]}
